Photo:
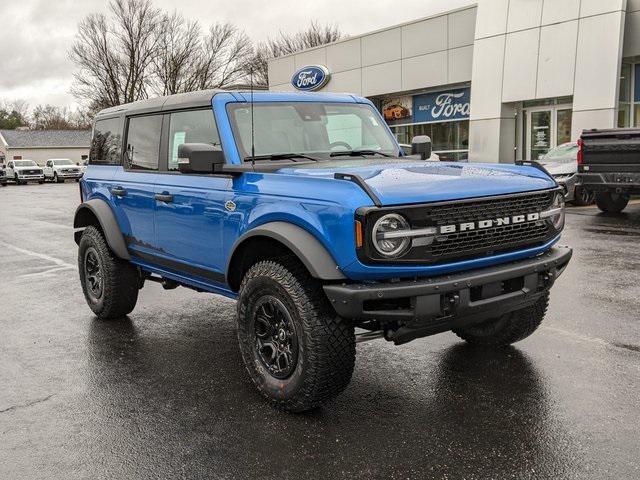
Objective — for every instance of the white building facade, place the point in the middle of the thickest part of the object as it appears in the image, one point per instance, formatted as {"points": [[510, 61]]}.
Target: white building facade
{"points": [[499, 81]]}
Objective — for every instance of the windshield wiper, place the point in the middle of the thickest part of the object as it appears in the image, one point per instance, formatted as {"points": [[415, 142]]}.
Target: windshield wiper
{"points": [[280, 156], [358, 153]]}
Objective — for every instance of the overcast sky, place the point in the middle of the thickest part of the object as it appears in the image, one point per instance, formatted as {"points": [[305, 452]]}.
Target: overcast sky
{"points": [[35, 35]]}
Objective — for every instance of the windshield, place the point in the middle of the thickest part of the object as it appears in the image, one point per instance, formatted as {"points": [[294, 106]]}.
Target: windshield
{"points": [[317, 129], [567, 152], [62, 162], [25, 163]]}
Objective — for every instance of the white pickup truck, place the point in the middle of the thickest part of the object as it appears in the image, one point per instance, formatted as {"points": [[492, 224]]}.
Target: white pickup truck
{"points": [[23, 171], [59, 169]]}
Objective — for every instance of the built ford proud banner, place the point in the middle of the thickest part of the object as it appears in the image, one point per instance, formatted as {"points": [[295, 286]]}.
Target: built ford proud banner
{"points": [[442, 106]]}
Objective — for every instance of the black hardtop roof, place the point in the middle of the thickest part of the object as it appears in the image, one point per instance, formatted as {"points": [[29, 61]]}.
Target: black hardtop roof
{"points": [[200, 98]]}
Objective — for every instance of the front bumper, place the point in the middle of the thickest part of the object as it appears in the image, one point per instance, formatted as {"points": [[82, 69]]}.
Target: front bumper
{"points": [[70, 175], [433, 305], [29, 178]]}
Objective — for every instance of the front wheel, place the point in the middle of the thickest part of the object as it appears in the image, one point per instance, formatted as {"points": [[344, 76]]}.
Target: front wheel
{"points": [[16, 180], [110, 285], [297, 351], [611, 202], [507, 329]]}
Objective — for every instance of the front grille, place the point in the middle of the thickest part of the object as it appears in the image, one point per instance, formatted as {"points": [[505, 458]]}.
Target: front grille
{"points": [[490, 208], [490, 240], [31, 172], [478, 242]]}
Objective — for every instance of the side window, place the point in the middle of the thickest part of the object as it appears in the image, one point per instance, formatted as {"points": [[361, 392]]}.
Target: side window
{"points": [[196, 126], [143, 142], [106, 144]]}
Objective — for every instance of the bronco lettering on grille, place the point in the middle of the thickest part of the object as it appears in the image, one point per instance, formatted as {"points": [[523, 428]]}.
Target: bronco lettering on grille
{"points": [[494, 222]]}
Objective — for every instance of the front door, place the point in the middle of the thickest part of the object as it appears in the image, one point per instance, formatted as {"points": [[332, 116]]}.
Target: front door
{"points": [[190, 209], [547, 127]]}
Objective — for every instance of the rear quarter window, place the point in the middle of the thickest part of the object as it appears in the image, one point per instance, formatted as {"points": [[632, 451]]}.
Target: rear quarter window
{"points": [[106, 144]]}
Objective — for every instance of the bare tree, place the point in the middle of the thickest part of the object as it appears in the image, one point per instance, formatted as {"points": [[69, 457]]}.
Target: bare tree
{"points": [[50, 117], [174, 65], [13, 114], [114, 54], [188, 61], [285, 44], [223, 61]]}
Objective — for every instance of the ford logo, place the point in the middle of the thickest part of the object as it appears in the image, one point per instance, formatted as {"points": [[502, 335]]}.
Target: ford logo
{"points": [[310, 78]]}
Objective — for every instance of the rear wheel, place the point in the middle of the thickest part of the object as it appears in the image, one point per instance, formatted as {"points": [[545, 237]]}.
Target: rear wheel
{"points": [[110, 285], [298, 352], [509, 328], [583, 197], [611, 202]]}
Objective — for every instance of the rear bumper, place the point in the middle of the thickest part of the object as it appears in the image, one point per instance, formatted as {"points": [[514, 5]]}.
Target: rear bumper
{"points": [[434, 305], [622, 180]]}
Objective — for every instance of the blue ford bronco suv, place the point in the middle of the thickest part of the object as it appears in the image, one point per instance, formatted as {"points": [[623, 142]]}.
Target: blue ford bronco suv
{"points": [[303, 207]]}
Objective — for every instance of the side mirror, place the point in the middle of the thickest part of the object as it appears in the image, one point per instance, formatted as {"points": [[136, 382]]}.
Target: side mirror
{"points": [[421, 145], [200, 158]]}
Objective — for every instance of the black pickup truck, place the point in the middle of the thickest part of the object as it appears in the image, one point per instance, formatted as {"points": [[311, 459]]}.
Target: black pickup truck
{"points": [[609, 165]]}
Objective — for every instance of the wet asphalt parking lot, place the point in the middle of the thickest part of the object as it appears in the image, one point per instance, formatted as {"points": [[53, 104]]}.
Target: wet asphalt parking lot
{"points": [[163, 393]]}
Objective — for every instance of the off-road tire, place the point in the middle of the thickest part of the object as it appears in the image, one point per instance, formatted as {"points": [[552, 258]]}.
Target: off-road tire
{"points": [[120, 279], [510, 328], [611, 202], [57, 179], [326, 352], [583, 197]]}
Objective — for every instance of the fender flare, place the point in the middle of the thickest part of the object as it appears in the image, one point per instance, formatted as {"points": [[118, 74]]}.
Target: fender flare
{"points": [[303, 244], [102, 211]]}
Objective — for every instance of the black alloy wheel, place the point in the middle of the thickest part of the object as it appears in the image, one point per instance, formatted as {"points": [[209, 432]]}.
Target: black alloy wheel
{"points": [[276, 342], [93, 274]]}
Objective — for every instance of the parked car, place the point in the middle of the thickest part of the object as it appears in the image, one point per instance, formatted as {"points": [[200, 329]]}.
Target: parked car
{"points": [[60, 169], [609, 166], [24, 171], [3, 176], [562, 163], [313, 229]]}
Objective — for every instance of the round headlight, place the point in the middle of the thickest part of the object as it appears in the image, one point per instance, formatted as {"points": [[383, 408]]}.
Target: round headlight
{"points": [[558, 218], [387, 235]]}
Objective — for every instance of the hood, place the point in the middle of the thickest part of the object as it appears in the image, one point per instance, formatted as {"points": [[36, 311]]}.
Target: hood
{"points": [[561, 168], [397, 181]]}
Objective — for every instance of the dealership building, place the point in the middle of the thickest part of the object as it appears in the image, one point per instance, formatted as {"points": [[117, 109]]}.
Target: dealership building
{"points": [[501, 80]]}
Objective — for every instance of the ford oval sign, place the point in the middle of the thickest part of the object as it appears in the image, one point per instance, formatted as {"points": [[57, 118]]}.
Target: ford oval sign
{"points": [[310, 78]]}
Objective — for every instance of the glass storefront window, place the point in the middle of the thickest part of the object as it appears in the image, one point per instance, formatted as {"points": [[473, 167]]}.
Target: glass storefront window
{"points": [[636, 115], [625, 82], [540, 133], [563, 128], [624, 115], [445, 137]]}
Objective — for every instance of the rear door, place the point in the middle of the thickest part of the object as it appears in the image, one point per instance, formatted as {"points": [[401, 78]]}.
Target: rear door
{"points": [[190, 208], [132, 187]]}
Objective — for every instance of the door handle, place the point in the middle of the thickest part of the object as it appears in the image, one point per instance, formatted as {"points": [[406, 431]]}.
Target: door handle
{"points": [[164, 197], [118, 192]]}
